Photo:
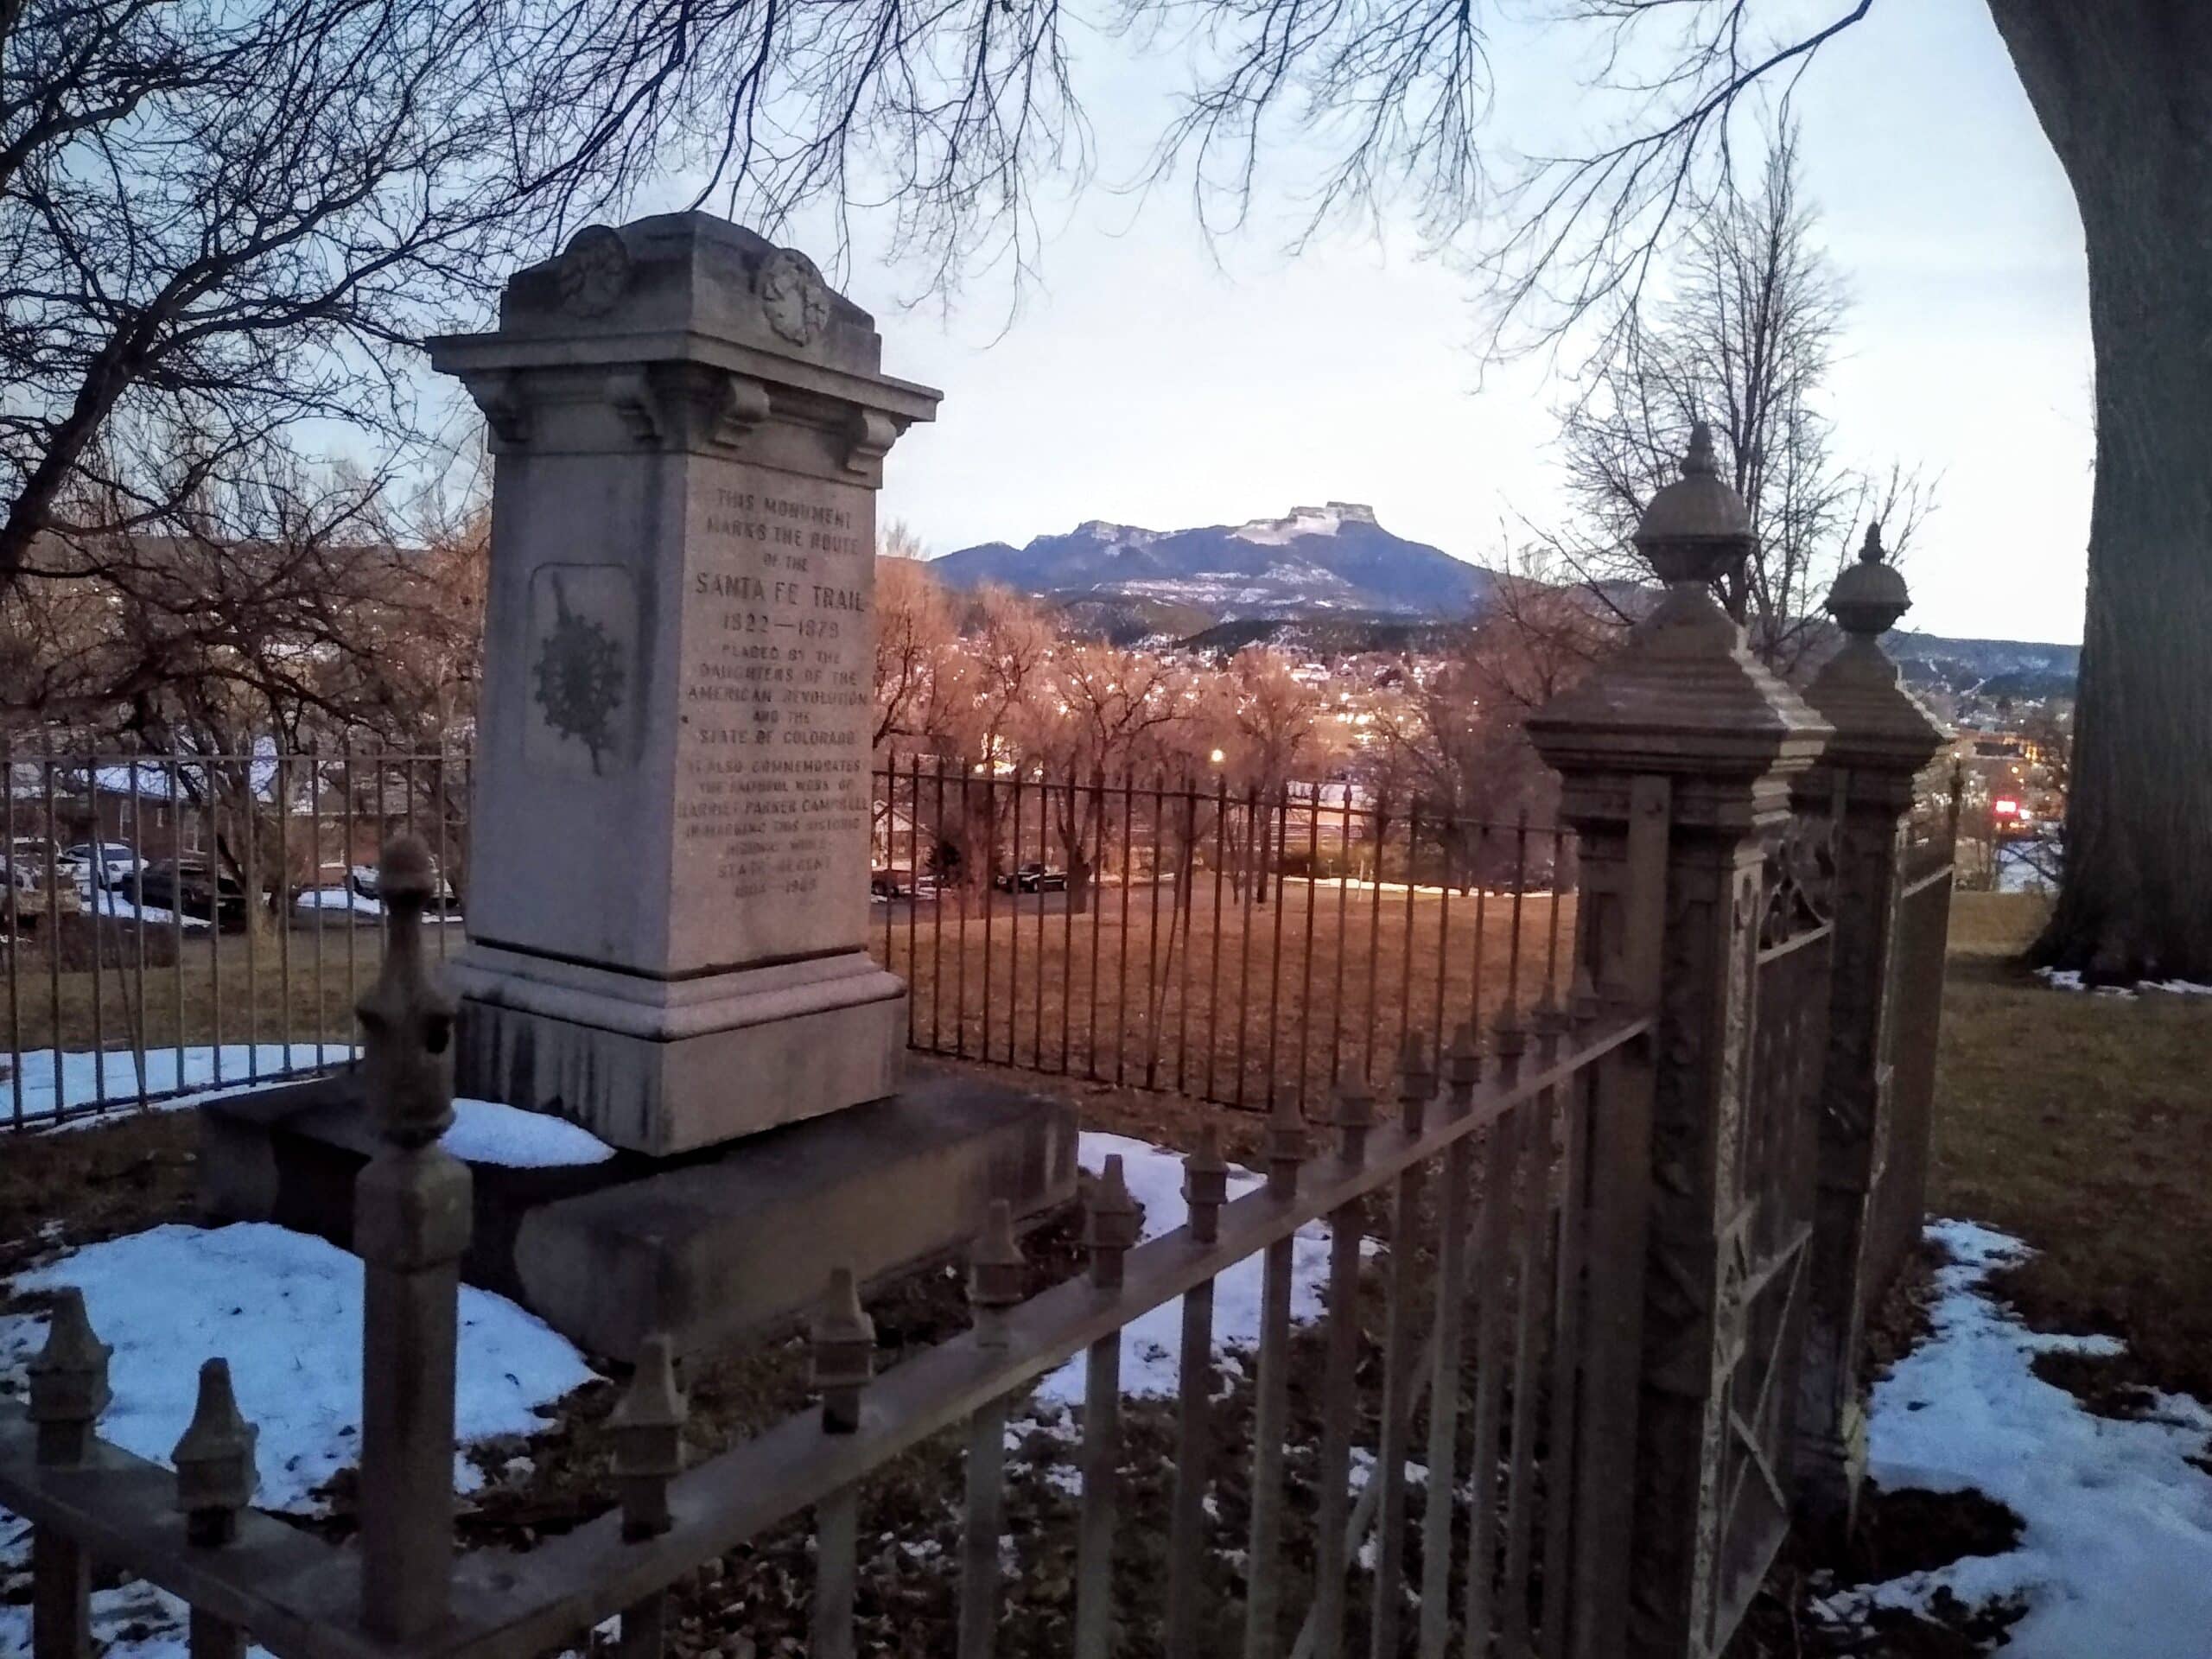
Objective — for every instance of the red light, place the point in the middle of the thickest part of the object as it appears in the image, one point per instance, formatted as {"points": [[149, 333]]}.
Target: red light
{"points": [[2006, 809]]}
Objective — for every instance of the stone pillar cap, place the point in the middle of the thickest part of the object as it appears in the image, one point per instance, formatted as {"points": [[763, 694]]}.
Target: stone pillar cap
{"points": [[1694, 524], [1879, 726], [1684, 697], [1869, 596], [686, 287]]}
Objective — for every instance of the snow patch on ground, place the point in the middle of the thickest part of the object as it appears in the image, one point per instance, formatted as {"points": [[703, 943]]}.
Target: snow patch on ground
{"points": [[92, 1077], [1151, 1346], [341, 898], [2069, 979], [108, 903], [285, 1309], [2115, 1555], [486, 1132]]}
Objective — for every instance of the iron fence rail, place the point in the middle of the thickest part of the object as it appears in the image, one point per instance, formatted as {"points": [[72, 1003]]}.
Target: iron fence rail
{"points": [[1510, 1239], [225, 922], [1236, 947]]}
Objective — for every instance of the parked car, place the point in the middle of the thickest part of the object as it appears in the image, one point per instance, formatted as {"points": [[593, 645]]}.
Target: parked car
{"points": [[362, 878], [885, 885], [101, 863], [1033, 878], [188, 887]]}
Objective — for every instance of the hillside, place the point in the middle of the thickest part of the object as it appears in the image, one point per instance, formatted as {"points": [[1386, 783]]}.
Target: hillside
{"points": [[1993, 668], [1319, 560]]}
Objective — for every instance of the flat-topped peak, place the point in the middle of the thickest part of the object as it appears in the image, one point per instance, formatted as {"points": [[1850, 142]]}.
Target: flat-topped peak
{"points": [[1324, 520]]}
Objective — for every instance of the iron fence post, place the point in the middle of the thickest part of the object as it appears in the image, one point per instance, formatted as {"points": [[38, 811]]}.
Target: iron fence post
{"points": [[68, 1391], [412, 1221]]}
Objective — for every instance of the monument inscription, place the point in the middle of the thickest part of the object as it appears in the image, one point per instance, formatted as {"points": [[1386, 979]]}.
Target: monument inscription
{"points": [[771, 800]]}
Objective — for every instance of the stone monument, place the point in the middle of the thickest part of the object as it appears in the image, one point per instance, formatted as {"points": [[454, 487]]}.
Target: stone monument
{"points": [[668, 879], [668, 883]]}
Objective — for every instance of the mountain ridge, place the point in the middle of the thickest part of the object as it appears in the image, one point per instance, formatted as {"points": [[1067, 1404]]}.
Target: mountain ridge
{"points": [[1335, 557]]}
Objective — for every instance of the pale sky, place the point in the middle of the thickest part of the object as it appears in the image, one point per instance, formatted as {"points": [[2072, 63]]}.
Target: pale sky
{"points": [[1151, 381]]}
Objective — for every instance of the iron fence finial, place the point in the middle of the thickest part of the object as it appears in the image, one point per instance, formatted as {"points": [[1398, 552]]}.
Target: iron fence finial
{"points": [[1416, 1080], [647, 1424], [843, 1344], [1206, 1184], [997, 1269], [1111, 1222], [406, 1017], [214, 1460], [68, 1381], [1352, 1112], [1463, 1066], [1286, 1145]]}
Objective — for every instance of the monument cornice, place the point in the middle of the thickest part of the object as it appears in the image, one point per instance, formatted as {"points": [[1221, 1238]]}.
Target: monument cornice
{"points": [[526, 360]]}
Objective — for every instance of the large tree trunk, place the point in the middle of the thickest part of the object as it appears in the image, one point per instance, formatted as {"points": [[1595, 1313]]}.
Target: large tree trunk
{"points": [[2124, 90]]}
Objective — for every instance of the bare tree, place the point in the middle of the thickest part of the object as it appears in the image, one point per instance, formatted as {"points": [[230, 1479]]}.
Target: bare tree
{"points": [[917, 633], [1744, 339], [1097, 710]]}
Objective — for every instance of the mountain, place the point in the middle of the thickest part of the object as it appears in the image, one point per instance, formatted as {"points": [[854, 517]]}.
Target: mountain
{"points": [[1335, 558], [1993, 668]]}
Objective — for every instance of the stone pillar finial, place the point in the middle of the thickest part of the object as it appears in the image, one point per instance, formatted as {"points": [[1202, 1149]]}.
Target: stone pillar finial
{"points": [[1869, 596], [1692, 530]]}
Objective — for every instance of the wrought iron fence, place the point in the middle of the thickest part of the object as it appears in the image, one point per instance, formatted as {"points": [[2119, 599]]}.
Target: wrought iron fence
{"points": [[1241, 947], [175, 924], [178, 923], [1509, 1298], [1461, 1535]]}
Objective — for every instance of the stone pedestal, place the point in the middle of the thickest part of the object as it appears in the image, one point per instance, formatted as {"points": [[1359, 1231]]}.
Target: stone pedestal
{"points": [[668, 873], [704, 1250]]}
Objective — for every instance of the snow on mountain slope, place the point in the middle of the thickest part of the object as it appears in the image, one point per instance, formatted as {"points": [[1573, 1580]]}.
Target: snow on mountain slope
{"points": [[1335, 557]]}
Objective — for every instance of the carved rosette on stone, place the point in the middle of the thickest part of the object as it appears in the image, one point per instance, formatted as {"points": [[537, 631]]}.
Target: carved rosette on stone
{"points": [[1684, 729], [668, 895]]}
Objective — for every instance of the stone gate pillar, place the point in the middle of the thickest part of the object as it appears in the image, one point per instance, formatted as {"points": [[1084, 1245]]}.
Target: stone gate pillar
{"points": [[1678, 757], [1883, 738]]}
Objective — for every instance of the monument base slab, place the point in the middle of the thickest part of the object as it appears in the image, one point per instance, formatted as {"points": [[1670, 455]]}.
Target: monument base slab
{"points": [[705, 1249], [665, 1067]]}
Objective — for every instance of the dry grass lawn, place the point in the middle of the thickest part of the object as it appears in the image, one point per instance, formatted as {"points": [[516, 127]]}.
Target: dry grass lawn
{"points": [[1131, 995], [2083, 1124]]}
